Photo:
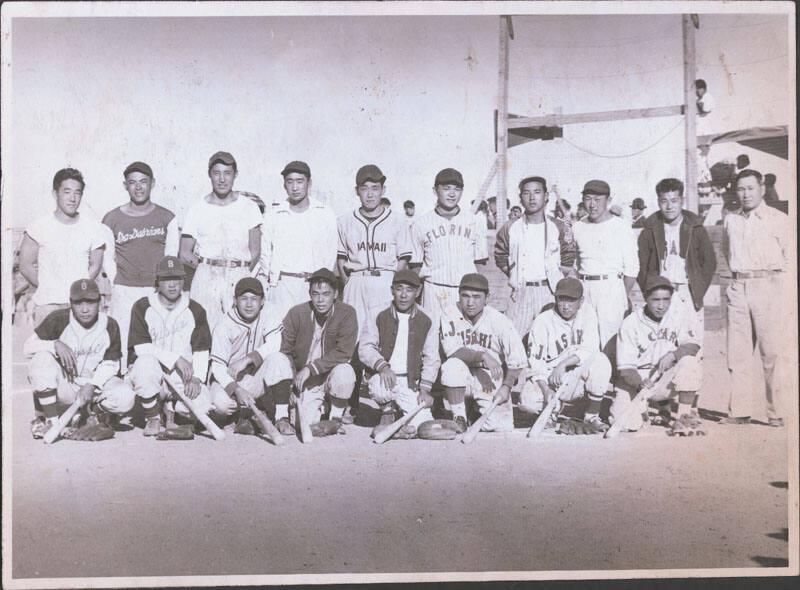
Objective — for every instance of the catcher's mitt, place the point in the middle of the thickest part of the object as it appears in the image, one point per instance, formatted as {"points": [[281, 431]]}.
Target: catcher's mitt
{"points": [[590, 426], [174, 432], [327, 428], [437, 430], [89, 432], [687, 425]]}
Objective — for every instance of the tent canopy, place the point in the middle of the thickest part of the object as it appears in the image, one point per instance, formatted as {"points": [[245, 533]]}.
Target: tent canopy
{"points": [[771, 140]]}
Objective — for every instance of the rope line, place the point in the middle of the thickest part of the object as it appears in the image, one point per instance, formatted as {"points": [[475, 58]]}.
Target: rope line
{"points": [[636, 153]]}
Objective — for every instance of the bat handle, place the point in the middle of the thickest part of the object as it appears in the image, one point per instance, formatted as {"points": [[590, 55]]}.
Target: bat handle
{"points": [[51, 435]]}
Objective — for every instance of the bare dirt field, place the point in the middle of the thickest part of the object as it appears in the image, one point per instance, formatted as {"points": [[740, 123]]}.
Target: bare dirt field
{"points": [[132, 506]]}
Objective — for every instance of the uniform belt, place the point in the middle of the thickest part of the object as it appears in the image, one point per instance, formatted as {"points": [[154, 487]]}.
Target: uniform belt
{"points": [[544, 283], [755, 274], [599, 277], [441, 284], [372, 272], [223, 262], [297, 275], [401, 374]]}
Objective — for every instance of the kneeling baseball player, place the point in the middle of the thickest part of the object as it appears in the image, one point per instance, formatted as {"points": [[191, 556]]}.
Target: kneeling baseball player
{"points": [[75, 356], [168, 348], [245, 358], [566, 360], [318, 341], [657, 351], [484, 356], [400, 348]]}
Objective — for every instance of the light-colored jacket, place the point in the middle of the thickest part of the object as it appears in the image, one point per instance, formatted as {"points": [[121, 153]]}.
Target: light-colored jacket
{"points": [[507, 252]]}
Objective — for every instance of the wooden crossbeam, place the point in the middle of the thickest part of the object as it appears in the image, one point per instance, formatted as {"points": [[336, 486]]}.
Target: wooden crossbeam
{"points": [[595, 117]]}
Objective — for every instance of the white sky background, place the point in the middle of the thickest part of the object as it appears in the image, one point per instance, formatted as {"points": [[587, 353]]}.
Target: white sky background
{"points": [[411, 94]]}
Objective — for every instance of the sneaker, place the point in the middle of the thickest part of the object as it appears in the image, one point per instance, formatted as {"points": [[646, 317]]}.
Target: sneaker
{"points": [[461, 424], [153, 426], [285, 427], [687, 425], [596, 422], [733, 420], [776, 422], [349, 416]]}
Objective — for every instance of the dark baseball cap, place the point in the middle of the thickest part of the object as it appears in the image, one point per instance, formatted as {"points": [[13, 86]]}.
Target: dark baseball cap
{"points": [[638, 204], [223, 157], [248, 285], [570, 288], [324, 274], [296, 166], [84, 290], [474, 282], [596, 187], [449, 176], [138, 167], [369, 173], [408, 277], [170, 267], [654, 282]]}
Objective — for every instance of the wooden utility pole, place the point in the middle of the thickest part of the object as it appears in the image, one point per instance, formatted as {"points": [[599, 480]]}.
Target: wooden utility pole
{"points": [[690, 114], [502, 121]]}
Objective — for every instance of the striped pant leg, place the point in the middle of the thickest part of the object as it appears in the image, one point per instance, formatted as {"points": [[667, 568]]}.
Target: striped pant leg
{"points": [[368, 295], [437, 299], [527, 304]]}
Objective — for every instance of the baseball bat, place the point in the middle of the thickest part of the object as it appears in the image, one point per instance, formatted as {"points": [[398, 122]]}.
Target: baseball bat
{"points": [[52, 434], [473, 430], [541, 421], [391, 429], [630, 411], [215, 430], [266, 425], [305, 430]]}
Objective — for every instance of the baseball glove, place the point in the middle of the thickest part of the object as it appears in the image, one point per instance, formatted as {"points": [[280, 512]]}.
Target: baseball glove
{"points": [[89, 432], [687, 425], [327, 428], [174, 432], [590, 426], [437, 430]]}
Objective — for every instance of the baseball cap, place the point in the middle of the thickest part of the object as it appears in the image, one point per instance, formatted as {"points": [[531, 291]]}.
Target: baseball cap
{"points": [[657, 282], [449, 176], [638, 203], [474, 282], [84, 290], [170, 267], [324, 274], [248, 285], [408, 277], [223, 157], [596, 187], [569, 287], [296, 166], [138, 167], [371, 173]]}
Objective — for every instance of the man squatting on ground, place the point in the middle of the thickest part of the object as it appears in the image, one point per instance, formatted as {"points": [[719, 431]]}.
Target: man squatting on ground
{"points": [[168, 348], [651, 341], [400, 348], [245, 360], [563, 339], [484, 354], [74, 354]]}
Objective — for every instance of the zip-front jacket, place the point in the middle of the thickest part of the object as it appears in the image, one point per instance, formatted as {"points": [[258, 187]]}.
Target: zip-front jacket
{"points": [[378, 338], [339, 335], [507, 250], [695, 247]]}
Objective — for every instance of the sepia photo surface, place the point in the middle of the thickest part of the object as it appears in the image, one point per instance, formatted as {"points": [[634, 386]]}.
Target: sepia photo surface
{"points": [[584, 95]]}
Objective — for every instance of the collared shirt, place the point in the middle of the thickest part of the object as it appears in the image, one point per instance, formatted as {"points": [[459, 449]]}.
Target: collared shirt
{"points": [[606, 247], [757, 240]]}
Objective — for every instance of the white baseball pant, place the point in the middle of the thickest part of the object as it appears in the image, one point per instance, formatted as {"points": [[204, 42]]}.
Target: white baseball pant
{"points": [[337, 383], [276, 367], [525, 304], [368, 294], [288, 292], [402, 396], [595, 377], [437, 299], [682, 297], [122, 299], [213, 287], [610, 301], [45, 372], [456, 373]]}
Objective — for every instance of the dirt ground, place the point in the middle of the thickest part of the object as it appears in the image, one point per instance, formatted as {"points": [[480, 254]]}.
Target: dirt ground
{"points": [[132, 506]]}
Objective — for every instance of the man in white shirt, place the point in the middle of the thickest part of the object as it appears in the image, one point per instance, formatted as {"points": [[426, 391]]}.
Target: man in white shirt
{"points": [[221, 236], [61, 247], [607, 259], [300, 236], [705, 102], [756, 245]]}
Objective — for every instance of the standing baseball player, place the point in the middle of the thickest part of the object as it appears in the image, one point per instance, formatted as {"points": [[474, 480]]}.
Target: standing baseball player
{"points": [[756, 245], [74, 354], [60, 247], [221, 236], [484, 356], [653, 340], [300, 235], [168, 348], [400, 348], [144, 233], [245, 358], [447, 243], [565, 338], [528, 251], [373, 243], [606, 258], [674, 244], [319, 339]]}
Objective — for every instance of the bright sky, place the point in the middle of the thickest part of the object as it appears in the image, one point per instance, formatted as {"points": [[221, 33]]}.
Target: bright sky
{"points": [[412, 94]]}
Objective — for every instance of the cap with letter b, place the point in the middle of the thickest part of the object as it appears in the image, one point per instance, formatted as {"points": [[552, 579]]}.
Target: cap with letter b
{"points": [[170, 267], [84, 290]]}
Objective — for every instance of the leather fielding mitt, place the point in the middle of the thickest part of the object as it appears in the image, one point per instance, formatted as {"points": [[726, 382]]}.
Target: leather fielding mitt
{"points": [[437, 430], [174, 432], [327, 428], [573, 426], [89, 432]]}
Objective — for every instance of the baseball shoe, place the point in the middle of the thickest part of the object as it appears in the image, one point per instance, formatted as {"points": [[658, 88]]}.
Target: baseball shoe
{"points": [[153, 426], [776, 422], [687, 425], [386, 419], [662, 419], [40, 426], [461, 424], [244, 424], [285, 427], [735, 420], [349, 417], [595, 422]]}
